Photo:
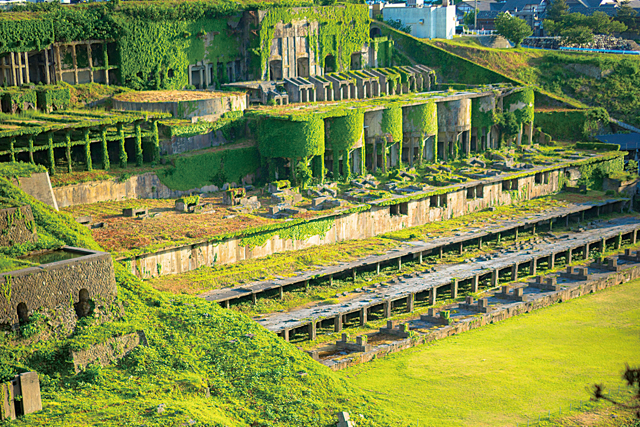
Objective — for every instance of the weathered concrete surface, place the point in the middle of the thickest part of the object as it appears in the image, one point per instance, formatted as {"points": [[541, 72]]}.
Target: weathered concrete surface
{"points": [[359, 225], [107, 352], [20, 396], [413, 249], [444, 275], [57, 284], [144, 186], [17, 226], [597, 281], [37, 185]]}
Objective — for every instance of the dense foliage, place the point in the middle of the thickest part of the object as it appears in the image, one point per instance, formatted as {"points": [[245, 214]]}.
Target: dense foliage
{"points": [[512, 28], [291, 139]]}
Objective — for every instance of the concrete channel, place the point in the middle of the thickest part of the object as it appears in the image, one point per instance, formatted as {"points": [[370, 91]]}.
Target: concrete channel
{"points": [[405, 290], [417, 250]]}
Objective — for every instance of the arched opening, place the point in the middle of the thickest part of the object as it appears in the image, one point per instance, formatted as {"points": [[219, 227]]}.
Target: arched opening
{"points": [[330, 64], [375, 32], [83, 306], [23, 313], [275, 70]]}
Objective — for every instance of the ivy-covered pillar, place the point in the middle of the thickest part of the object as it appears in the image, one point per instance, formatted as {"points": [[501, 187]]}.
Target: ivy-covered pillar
{"points": [[336, 164], [155, 141], [31, 150], [294, 165], [384, 155], [374, 155], [106, 165], [421, 149], [123, 152], [138, 131], [12, 143], [272, 169], [363, 159], [87, 150], [391, 125], [52, 162], [318, 167], [67, 137], [346, 164]]}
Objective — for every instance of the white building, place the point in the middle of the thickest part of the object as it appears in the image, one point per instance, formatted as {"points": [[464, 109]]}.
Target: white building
{"points": [[426, 22]]}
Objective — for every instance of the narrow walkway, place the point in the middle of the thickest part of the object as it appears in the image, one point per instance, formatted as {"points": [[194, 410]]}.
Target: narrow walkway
{"points": [[415, 250]]}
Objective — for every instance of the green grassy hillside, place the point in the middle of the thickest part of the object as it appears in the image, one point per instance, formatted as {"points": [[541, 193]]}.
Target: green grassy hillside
{"points": [[213, 366], [591, 79]]}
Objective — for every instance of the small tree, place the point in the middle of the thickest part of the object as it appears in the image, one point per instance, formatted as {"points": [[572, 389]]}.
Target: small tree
{"points": [[469, 18], [512, 28], [577, 35], [632, 378], [557, 10], [627, 15], [303, 173]]}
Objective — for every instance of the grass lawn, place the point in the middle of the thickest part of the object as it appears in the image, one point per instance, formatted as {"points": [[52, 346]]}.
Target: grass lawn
{"points": [[523, 367]]}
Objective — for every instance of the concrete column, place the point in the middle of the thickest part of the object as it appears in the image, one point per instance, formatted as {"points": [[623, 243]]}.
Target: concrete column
{"points": [[569, 256], [47, 64], [285, 335], [552, 260], [634, 236], [253, 298], [454, 288], [410, 300], [337, 323], [475, 284], [374, 164], [26, 68], [440, 249], [420, 256], [281, 292], [226, 304], [353, 273], [494, 278], [306, 285], [460, 248], [534, 266], [480, 243], [363, 316], [312, 330], [586, 251], [331, 279], [514, 272], [603, 245], [387, 308], [619, 241], [377, 268], [550, 225], [432, 296], [516, 233], [399, 264]]}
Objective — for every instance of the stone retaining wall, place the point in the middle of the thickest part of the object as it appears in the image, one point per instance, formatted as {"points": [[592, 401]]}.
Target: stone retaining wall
{"points": [[107, 352], [17, 226], [360, 225], [55, 284]]}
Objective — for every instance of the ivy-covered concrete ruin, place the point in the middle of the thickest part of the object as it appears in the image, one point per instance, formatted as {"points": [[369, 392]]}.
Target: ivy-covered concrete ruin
{"points": [[168, 169]]}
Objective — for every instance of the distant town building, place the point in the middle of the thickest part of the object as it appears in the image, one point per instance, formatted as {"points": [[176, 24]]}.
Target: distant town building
{"points": [[426, 22]]}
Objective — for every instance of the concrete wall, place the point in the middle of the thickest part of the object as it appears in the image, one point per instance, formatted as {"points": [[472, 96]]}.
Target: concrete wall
{"points": [[144, 186], [207, 109], [177, 145], [56, 284], [17, 226], [457, 202], [107, 352], [37, 185], [454, 116], [427, 22]]}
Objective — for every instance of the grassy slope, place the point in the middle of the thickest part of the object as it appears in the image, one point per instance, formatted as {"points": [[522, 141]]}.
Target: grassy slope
{"points": [[254, 377], [601, 80], [525, 366]]}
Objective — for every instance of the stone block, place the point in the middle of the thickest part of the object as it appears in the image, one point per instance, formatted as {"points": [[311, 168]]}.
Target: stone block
{"points": [[344, 420], [30, 389], [105, 353], [318, 201], [132, 212], [84, 220], [468, 300], [518, 292]]}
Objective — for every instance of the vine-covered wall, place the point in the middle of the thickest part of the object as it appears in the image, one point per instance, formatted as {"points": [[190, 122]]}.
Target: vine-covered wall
{"points": [[291, 139], [520, 103], [483, 113], [342, 30], [342, 133], [156, 41], [421, 118]]}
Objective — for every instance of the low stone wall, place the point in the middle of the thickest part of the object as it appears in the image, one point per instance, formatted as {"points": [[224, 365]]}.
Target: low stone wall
{"points": [[208, 109], [144, 186], [500, 314], [17, 226], [55, 284], [108, 352], [178, 144]]}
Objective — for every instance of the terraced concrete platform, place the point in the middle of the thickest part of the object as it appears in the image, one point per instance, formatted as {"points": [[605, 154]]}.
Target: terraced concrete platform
{"points": [[481, 268], [413, 250]]}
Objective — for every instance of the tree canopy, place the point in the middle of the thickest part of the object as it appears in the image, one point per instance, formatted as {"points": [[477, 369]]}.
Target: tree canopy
{"points": [[512, 28]]}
